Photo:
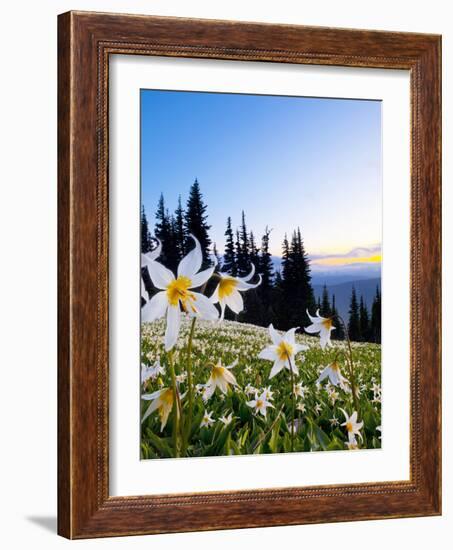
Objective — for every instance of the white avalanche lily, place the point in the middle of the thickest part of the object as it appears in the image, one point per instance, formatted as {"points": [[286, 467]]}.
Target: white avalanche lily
{"points": [[260, 404], [177, 293], [207, 420], [226, 420], [352, 426], [323, 325], [146, 260], [152, 372], [221, 378], [162, 401], [352, 444], [282, 351], [227, 292], [332, 372]]}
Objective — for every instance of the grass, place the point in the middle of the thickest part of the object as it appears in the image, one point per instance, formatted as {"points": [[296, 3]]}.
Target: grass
{"points": [[317, 424]]}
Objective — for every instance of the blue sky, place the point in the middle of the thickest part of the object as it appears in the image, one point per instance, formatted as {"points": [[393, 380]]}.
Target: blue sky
{"points": [[287, 161]]}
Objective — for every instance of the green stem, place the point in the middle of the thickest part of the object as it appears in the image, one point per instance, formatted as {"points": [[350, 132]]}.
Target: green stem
{"points": [[271, 427], [293, 396], [175, 403], [351, 365], [188, 425]]}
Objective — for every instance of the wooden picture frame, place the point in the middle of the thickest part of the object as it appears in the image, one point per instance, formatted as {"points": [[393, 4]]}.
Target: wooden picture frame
{"points": [[85, 42]]}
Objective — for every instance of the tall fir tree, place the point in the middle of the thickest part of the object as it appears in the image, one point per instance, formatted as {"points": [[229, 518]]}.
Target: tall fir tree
{"points": [[325, 304], [243, 252], [354, 318], [253, 256], [238, 251], [172, 249], [266, 293], [278, 279], [180, 230], [216, 254], [196, 221], [265, 267], [376, 317], [229, 256], [146, 241], [364, 320], [163, 230], [338, 333], [253, 307], [297, 290]]}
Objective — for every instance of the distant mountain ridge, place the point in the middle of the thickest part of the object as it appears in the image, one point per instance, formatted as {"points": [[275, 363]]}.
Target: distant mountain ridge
{"points": [[342, 291]]}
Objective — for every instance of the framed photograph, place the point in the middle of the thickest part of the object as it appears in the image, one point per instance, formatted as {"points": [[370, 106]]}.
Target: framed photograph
{"points": [[249, 275]]}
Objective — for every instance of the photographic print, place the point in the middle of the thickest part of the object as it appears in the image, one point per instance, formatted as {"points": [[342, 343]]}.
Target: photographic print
{"points": [[261, 229]]}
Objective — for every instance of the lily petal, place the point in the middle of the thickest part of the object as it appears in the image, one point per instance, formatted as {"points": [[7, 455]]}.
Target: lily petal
{"points": [[312, 329], [144, 294], [235, 302], [277, 367], [173, 323], [202, 277], [160, 275], [290, 336], [155, 308], [153, 255], [242, 285], [204, 308], [191, 262], [275, 336], [249, 276], [268, 353]]}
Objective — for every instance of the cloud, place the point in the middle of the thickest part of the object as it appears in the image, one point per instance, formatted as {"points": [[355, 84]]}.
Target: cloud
{"points": [[359, 255]]}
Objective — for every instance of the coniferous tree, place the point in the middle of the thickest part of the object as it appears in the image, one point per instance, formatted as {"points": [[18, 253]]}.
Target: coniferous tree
{"points": [[229, 257], [297, 289], [253, 304], [172, 250], [266, 292], [146, 241], [325, 305], [278, 280], [277, 303], [163, 231], [364, 321], [338, 333], [238, 250], [217, 256], [265, 267], [354, 318], [253, 255], [180, 230], [243, 252], [287, 272], [196, 221], [376, 317]]}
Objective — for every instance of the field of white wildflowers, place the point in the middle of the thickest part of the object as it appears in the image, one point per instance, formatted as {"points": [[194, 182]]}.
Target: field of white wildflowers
{"points": [[241, 403]]}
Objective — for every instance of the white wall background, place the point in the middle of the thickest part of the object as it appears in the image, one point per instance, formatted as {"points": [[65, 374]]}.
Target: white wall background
{"points": [[28, 269]]}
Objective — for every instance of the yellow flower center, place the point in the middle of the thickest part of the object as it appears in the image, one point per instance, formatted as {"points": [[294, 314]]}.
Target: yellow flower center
{"points": [[349, 427], [335, 367], [178, 290], [284, 350], [259, 404], [327, 323], [166, 402], [217, 371], [166, 397], [226, 287]]}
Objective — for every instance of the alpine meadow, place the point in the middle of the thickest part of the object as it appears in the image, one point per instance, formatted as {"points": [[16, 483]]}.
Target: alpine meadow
{"points": [[260, 274]]}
